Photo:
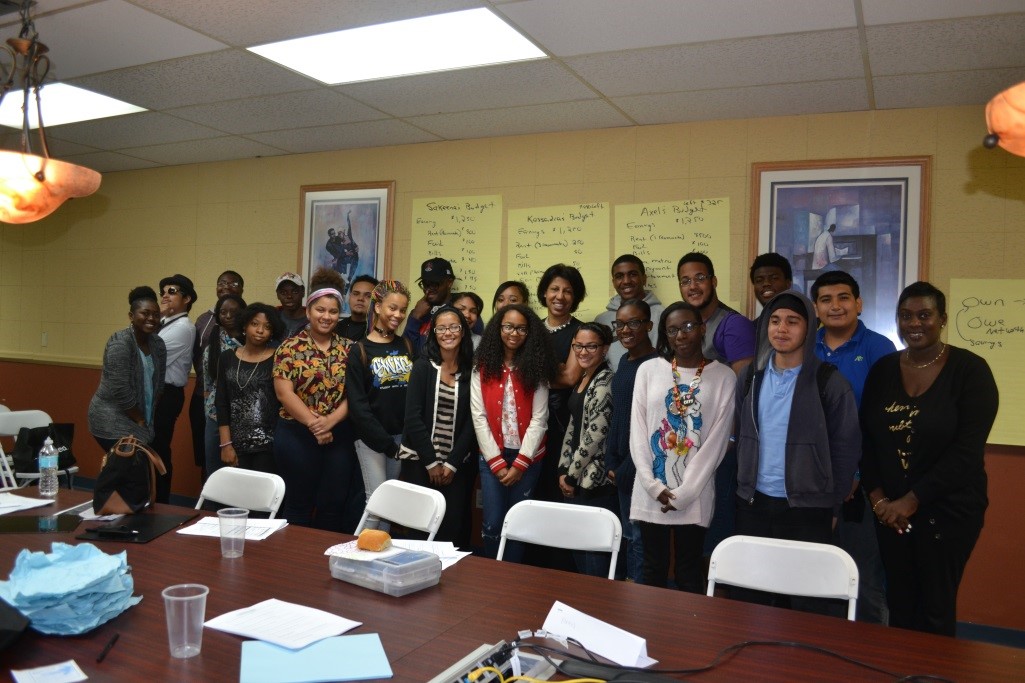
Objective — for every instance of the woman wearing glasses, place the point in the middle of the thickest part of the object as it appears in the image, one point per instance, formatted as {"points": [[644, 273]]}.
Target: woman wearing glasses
{"points": [[679, 427], [632, 327], [509, 408], [438, 440], [583, 478]]}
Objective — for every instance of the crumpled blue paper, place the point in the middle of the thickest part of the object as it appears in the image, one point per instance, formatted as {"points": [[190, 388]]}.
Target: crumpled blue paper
{"points": [[70, 590]]}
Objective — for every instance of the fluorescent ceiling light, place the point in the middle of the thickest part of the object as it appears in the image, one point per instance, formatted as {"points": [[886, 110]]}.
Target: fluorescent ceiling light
{"points": [[62, 104], [458, 40]]}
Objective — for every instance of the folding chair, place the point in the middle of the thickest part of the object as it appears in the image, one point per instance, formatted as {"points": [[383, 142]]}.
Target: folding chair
{"points": [[236, 487], [412, 506], [563, 525], [12, 422], [815, 570]]}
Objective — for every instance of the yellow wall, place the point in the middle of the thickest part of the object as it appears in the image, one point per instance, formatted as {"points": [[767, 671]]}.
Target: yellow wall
{"points": [[69, 275]]}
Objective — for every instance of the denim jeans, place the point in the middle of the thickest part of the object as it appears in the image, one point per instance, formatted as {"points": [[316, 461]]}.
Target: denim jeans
{"points": [[632, 537], [317, 478], [497, 501], [376, 469]]}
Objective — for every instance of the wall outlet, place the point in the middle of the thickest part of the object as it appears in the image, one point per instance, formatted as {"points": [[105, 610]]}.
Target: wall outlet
{"points": [[45, 340]]}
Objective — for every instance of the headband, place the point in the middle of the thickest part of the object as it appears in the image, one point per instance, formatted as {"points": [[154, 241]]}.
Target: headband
{"points": [[325, 291]]}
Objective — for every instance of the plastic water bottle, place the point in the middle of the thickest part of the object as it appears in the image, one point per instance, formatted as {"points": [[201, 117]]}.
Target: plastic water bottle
{"points": [[48, 469]]}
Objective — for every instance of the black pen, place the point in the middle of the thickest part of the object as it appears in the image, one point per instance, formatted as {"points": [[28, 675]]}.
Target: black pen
{"points": [[108, 646]]}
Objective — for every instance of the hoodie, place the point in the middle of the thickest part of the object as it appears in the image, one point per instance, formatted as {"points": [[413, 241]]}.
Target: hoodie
{"points": [[823, 442], [616, 351]]}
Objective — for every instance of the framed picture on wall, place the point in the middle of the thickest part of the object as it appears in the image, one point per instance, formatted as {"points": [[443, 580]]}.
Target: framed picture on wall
{"points": [[347, 228], [868, 217]]}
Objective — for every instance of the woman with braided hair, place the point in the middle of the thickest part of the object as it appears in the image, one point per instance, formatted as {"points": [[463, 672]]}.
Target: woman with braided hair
{"points": [[376, 381]]}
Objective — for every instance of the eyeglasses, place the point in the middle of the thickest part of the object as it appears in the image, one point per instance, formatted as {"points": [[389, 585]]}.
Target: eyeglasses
{"points": [[515, 329], [699, 278], [448, 329], [686, 328], [171, 291], [229, 283], [634, 324], [590, 348]]}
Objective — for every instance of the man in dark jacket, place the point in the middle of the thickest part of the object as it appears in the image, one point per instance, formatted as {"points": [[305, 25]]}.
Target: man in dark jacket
{"points": [[798, 439]]}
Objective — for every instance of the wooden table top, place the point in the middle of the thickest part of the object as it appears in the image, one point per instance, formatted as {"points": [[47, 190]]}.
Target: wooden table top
{"points": [[477, 601]]}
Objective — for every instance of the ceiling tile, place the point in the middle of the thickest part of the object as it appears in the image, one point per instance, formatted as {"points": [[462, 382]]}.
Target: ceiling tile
{"points": [[120, 35], [245, 23], [276, 112], [953, 45], [543, 118], [577, 27], [199, 151], [740, 103], [943, 89], [507, 85], [828, 55], [108, 162], [132, 130], [348, 136], [890, 12], [212, 77]]}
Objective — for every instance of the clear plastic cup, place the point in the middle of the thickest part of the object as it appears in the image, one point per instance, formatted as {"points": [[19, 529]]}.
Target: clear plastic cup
{"points": [[233, 531], [185, 605]]}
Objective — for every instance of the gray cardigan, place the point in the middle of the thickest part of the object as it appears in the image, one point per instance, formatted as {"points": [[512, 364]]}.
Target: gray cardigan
{"points": [[121, 386]]}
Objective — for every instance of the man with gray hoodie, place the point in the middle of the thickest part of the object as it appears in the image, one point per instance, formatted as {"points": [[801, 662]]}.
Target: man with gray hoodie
{"points": [[798, 437], [629, 280]]}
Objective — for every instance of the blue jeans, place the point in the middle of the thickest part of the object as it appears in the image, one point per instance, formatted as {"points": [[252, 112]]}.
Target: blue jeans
{"points": [[497, 501], [376, 468], [632, 536], [317, 478]]}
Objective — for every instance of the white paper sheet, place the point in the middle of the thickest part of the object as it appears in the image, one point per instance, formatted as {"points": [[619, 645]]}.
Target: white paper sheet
{"points": [[283, 623], [10, 502], [611, 642], [445, 550], [256, 529]]}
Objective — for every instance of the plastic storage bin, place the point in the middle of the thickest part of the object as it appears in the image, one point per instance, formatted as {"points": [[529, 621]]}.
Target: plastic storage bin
{"points": [[400, 574]]}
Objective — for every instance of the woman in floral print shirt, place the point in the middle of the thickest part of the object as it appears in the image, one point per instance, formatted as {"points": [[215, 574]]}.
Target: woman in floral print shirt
{"points": [[312, 442]]}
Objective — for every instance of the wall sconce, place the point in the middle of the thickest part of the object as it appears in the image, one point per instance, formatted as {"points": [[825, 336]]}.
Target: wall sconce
{"points": [[32, 185]]}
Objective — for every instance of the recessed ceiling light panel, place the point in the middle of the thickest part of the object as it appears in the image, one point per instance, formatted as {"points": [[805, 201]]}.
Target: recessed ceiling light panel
{"points": [[442, 42], [63, 103]]}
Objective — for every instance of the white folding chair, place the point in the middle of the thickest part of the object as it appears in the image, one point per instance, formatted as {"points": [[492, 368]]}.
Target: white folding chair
{"points": [[563, 525], [236, 487], [412, 506], [12, 422], [815, 570]]}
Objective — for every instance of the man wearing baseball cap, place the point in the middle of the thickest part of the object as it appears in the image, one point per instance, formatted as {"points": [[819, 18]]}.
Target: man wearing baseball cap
{"points": [[291, 289], [436, 278], [177, 295]]}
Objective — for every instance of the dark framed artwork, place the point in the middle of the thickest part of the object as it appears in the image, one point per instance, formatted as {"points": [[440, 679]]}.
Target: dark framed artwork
{"points": [[346, 227], [868, 217]]}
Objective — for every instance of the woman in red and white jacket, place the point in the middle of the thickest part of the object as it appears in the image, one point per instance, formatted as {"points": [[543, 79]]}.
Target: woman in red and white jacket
{"points": [[509, 406]]}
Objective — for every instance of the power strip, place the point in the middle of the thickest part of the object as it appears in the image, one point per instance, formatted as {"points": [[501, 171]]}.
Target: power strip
{"points": [[485, 655]]}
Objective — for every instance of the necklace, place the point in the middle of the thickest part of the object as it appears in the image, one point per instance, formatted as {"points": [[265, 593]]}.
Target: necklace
{"points": [[238, 371], [907, 357], [557, 327], [684, 403], [384, 334]]}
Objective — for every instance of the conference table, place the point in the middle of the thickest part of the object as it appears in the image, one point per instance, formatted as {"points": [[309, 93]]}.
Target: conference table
{"points": [[477, 601]]}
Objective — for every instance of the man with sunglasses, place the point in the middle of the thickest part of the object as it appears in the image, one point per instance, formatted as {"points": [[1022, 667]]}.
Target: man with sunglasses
{"points": [[177, 295], [435, 280], [629, 280]]}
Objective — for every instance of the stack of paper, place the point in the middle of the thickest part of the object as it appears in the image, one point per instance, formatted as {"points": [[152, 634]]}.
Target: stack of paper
{"points": [[256, 529], [10, 502], [71, 590]]}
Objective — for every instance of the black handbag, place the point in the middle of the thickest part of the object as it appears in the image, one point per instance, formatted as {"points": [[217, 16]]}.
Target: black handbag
{"points": [[30, 439], [128, 478]]}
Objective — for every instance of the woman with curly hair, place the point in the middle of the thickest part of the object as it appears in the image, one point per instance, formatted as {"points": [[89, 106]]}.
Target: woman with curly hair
{"points": [[376, 381], [509, 406], [312, 440], [438, 433]]}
